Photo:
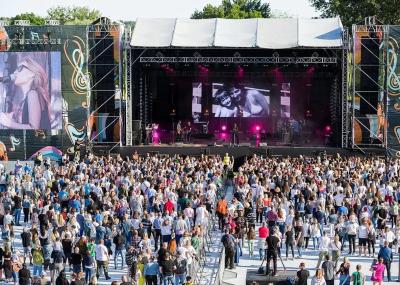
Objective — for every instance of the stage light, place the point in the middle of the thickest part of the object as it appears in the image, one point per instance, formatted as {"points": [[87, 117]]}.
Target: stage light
{"points": [[258, 128], [223, 128], [240, 72], [328, 128]]}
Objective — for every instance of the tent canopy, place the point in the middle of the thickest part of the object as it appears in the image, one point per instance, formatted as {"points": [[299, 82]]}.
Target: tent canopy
{"points": [[276, 33]]}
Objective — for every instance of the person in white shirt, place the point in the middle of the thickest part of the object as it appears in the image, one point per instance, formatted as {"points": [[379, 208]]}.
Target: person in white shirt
{"points": [[335, 247], [352, 229], [324, 243], [363, 237], [389, 236], [201, 216], [102, 259]]}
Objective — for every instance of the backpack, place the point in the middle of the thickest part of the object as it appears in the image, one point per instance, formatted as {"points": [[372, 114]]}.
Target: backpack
{"points": [[228, 242], [180, 266], [37, 257]]}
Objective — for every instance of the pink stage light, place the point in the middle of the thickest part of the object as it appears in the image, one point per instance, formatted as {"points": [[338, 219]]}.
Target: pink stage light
{"points": [[328, 128], [258, 128], [240, 72], [223, 128], [155, 135], [223, 135]]}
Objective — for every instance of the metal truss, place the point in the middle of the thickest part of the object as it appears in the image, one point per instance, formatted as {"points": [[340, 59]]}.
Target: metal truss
{"points": [[128, 90], [97, 32], [239, 60], [357, 117], [345, 88]]}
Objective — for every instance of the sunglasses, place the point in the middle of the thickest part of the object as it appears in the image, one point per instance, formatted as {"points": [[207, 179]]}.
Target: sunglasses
{"points": [[21, 67]]}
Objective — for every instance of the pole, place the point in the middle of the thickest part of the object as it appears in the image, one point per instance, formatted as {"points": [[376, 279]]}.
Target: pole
{"points": [[24, 134]]}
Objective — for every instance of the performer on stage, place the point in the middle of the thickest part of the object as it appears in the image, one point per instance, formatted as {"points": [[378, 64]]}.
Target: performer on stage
{"points": [[295, 129], [235, 135], [188, 132], [149, 134], [179, 131], [154, 137]]}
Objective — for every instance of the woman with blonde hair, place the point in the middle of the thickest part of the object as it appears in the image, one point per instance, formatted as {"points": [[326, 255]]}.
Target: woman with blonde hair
{"points": [[32, 110], [318, 279], [344, 271]]}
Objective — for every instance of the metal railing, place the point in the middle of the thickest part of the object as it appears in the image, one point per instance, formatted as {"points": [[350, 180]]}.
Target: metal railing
{"points": [[221, 268], [199, 262]]}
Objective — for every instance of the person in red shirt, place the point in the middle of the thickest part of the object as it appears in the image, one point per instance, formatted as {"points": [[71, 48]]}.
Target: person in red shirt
{"points": [[169, 206], [263, 233]]}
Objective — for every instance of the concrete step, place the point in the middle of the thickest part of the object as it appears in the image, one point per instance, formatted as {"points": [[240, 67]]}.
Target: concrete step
{"points": [[229, 274]]}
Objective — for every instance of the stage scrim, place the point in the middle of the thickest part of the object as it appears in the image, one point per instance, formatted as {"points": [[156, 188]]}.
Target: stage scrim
{"points": [[393, 86]]}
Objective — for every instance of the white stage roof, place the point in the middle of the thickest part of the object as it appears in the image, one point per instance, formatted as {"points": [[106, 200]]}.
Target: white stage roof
{"points": [[276, 33]]}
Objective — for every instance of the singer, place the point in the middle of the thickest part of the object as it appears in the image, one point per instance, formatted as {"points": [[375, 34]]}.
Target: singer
{"points": [[29, 108]]}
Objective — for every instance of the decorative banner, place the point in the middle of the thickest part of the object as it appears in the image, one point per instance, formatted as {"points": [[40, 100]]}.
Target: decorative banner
{"points": [[393, 86], [75, 135], [14, 142], [79, 78], [70, 41]]}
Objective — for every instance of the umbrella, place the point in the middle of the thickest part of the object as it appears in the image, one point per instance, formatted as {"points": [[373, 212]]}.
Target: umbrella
{"points": [[48, 152]]}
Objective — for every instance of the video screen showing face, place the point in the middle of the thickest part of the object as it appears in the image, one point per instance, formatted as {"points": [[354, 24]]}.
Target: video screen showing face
{"points": [[230, 101], [196, 101], [30, 90]]}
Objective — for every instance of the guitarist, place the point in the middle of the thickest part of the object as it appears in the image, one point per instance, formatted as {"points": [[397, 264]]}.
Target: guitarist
{"points": [[188, 132]]}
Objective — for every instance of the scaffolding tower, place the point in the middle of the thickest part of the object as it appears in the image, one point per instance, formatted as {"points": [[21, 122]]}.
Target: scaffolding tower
{"points": [[368, 103], [105, 97]]}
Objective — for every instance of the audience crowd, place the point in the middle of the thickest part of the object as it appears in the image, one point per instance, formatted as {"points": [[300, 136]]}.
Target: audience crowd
{"points": [[148, 216], [334, 207], [68, 222]]}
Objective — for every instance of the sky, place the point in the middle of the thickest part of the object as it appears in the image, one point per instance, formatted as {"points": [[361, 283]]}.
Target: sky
{"points": [[132, 9]]}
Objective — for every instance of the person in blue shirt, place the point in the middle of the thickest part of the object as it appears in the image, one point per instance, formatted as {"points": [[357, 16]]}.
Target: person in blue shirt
{"points": [[76, 204], [100, 233], [343, 211], [98, 217], [151, 271], [27, 168], [386, 254], [63, 195]]}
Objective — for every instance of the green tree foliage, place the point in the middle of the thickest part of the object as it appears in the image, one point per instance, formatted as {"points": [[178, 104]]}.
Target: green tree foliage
{"points": [[354, 11], [234, 9], [33, 18], [73, 15]]}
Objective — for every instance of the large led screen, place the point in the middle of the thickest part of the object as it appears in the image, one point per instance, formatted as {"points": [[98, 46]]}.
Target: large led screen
{"points": [[244, 101], [30, 90]]}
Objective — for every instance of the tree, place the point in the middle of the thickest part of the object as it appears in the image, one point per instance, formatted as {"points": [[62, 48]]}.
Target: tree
{"points": [[73, 15], [234, 9], [33, 18], [354, 11]]}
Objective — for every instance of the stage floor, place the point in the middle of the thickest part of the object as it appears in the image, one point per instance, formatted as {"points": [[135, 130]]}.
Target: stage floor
{"points": [[241, 151]]}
